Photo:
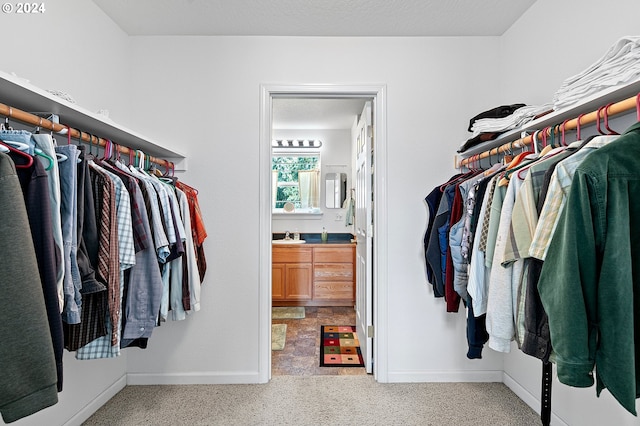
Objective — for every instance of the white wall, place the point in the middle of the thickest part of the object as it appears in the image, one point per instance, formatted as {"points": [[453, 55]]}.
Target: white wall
{"points": [[335, 157], [570, 35], [210, 86], [75, 48]]}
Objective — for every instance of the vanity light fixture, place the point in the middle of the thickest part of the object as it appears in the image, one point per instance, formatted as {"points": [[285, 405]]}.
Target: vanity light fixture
{"points": [[295, 143]]}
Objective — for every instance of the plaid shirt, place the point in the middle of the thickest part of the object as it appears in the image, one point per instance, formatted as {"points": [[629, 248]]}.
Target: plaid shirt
{"points": [[109, 345], [154, 213], [557, 196]]}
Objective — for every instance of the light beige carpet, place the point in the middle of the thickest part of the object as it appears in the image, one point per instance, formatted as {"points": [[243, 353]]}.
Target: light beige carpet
{"points": [[303, 400], [287, 312], [278, 336]]}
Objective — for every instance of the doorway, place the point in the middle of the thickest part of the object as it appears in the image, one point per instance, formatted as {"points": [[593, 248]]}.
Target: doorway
{"points": [[374, 306]]}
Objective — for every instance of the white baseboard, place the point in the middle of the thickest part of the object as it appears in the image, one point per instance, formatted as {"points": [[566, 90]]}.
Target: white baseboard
{"points": [[529, 398], [444, 376], [97, 402], [194, 378]]}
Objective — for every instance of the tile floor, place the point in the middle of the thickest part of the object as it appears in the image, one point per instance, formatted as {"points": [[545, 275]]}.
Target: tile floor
{"points": [[301, 354]]}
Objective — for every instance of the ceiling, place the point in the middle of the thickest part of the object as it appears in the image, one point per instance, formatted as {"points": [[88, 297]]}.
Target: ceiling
{"points": [[315, 17], [324, 18]]}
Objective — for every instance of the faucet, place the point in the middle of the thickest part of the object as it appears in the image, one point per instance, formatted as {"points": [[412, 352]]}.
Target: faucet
{"points": [[287, 236]]}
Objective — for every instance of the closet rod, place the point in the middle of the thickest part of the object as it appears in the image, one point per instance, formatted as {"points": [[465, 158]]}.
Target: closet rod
{"points": [[612, 109], [28, 118]]}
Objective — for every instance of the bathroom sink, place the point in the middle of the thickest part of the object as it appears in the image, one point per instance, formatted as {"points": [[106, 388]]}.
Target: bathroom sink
{"points": [[288, 241]]}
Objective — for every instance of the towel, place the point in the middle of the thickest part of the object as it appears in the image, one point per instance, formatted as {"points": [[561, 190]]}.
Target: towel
{"points": [[349, 204]]}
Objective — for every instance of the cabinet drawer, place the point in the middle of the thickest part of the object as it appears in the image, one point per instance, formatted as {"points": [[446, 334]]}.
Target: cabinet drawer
{"points": [[333, 254], [291, 254], [333, 290], [333, 271]]}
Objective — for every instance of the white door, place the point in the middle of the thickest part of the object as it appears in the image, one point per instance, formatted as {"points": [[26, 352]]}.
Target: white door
{"points": [[364, 238]]}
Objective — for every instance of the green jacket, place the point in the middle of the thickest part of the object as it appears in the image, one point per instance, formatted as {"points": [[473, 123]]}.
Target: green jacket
{"points": [[590, 281], [28, 379]]}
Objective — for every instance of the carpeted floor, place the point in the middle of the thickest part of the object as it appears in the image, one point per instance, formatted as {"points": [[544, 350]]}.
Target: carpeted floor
{"points": [[318, 400]]}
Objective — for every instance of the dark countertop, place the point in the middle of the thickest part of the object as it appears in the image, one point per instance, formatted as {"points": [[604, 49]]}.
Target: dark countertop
{"points": [[316, 238]]}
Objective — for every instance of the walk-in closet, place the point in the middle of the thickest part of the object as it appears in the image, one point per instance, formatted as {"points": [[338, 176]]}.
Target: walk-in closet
{"points": [[177, 100]]}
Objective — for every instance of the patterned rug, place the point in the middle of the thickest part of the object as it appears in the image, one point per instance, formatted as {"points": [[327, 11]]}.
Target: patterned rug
{"points": [[278, 336], [339, 346], [287, 312]]}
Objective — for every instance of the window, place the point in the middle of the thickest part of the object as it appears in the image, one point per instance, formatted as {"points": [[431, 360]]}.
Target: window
{"points": [[296, 181]]}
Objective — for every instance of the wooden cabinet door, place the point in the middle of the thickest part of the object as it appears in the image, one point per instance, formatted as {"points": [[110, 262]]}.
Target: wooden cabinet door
{"points": [[277, 281], [299, 281]]}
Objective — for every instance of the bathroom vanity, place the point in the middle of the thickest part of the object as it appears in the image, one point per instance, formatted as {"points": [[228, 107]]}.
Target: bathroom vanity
{"points": [[313, 274]]}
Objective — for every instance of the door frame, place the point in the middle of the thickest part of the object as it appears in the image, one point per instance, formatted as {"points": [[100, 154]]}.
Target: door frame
{"points": [[380, 226]]}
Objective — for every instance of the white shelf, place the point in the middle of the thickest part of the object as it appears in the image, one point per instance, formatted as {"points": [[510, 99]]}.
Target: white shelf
{"points": [[19, 94], [591, 103]]}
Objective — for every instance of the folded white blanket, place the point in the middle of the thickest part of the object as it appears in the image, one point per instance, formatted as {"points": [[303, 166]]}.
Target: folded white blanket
{"points": [[619, 65]]}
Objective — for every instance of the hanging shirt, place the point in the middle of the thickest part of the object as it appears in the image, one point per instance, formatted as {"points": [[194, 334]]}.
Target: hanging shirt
{"points": [[479, 274], [164, 203], [197, 226], [557, 195], [502, 299], [193, 278], [109, 346], [154, 213]]}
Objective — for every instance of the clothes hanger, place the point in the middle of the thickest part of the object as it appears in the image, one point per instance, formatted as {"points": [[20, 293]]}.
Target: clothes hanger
{"points": [[598, 122], [108, 148], [450, 182], [61, 157], [69, 134], [606, 120], [545, 150], [37, 130], [578, 127], [6, 125], [20, 146], [43, 154], [563, 141], [514, 164], [21, 154]]}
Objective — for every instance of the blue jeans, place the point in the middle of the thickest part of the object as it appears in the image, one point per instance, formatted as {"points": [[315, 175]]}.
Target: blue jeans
{"points": [[72, 282], [18, 136]]}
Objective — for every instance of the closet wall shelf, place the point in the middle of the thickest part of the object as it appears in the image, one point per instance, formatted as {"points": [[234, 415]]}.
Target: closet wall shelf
{"points": [[590, 103], [27, 97]]}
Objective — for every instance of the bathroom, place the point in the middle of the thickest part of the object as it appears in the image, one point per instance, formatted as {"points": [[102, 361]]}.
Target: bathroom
{"points": [[313, 250]]}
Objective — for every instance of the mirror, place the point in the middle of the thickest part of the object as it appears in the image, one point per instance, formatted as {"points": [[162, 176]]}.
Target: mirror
{"points": [[335, 190]]}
